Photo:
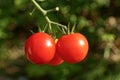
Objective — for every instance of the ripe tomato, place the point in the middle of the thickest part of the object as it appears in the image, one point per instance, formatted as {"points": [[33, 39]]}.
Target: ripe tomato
{"points": [[40, 48], [57, 60], [72, 48]]}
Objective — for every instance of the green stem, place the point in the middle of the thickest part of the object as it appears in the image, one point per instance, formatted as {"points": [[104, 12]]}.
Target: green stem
{"points": [[73, 28], [50, 27], [44, 12], [64, 30], [49, 23], [59, 25], [68, 30], [45, 27], [32, 11], [39, 29], [39, 7]]}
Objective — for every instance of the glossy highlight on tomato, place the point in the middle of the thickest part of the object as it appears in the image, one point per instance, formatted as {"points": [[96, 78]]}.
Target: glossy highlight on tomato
{"points": [[72, 48], [40, 48]]}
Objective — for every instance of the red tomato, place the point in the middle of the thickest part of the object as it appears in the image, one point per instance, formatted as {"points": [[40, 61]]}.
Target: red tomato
{"points": [[57, 60], [72, 48], [40, 48]]}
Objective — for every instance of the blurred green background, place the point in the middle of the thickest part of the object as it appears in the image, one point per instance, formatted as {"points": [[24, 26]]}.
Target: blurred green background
{"points": [[98, 20]]}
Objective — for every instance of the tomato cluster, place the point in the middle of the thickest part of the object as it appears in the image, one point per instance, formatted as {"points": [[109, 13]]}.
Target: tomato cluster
{"points": [[40, 48]]}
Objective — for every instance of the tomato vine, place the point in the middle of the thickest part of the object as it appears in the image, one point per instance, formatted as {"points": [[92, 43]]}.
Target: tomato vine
{"points": [[49, 22]]}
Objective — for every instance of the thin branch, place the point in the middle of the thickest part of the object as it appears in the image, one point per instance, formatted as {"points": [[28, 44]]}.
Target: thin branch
{"points": [[44, 12], [39, 7], [59, 24]]}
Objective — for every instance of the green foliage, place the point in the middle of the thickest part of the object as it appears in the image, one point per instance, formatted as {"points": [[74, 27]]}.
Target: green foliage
{"points": [[98, 20]]}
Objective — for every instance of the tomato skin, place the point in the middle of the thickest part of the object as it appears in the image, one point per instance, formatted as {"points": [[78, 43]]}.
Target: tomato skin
{"points": [[72, 48], [40, 48], [57, 60]]}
